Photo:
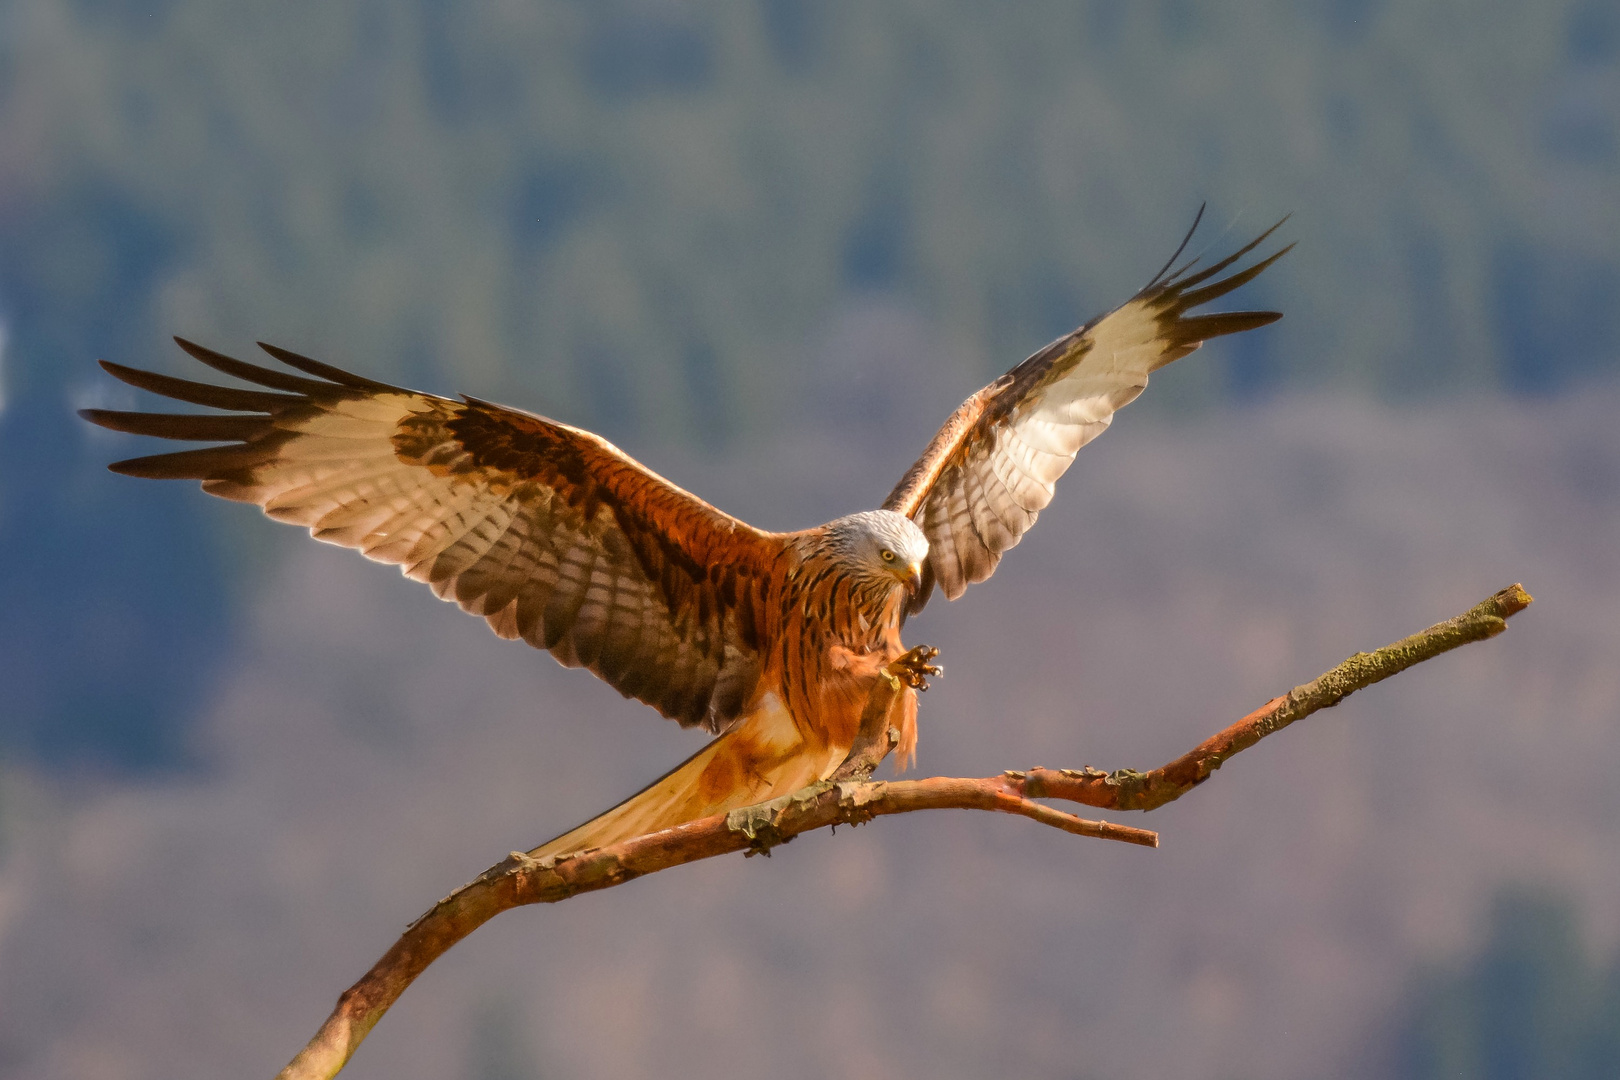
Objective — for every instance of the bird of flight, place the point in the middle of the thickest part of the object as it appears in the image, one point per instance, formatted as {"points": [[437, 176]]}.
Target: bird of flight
{"points": [[772, 641]]}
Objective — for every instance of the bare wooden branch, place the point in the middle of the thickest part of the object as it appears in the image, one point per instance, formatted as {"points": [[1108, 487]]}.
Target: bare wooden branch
{"points": [[1127, 789], [851, 797]]}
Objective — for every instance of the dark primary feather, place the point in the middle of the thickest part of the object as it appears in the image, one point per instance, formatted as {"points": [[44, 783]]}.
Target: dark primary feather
{"points": [[198, 427], [1181, 247], [196, 393], [320, 370], [276, 380]]}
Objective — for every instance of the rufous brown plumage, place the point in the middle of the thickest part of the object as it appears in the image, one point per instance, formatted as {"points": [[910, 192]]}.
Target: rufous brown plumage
{"points": [[770, 640]]}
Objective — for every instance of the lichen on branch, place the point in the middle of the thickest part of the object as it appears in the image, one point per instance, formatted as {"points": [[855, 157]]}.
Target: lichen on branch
{"points": [[850, 796]]}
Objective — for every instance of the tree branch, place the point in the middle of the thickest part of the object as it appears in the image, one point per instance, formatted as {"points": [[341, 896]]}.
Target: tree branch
{"points": [[852, 797]]}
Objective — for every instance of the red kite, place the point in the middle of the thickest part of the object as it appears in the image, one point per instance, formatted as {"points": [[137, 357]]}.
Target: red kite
{"points": [[770, 640]]}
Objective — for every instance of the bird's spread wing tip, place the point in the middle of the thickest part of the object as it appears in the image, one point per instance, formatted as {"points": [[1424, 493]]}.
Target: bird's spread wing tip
{"points": [[993, 467]]}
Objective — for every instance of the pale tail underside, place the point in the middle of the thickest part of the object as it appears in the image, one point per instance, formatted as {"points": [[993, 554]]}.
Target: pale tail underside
{"points": [[764, 756]]}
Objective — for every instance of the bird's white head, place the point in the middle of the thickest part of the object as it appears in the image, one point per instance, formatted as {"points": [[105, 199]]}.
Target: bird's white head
{"points": [[880, 542]]}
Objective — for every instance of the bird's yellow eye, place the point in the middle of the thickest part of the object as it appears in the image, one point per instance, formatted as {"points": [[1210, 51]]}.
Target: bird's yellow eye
{"points": [[888, 556]]}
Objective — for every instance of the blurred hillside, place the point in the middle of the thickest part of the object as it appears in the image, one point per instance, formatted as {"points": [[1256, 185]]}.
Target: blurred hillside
{"points": [[667, 221], [636, 213], [766, 246], [1530, 1005], [371, 748]]}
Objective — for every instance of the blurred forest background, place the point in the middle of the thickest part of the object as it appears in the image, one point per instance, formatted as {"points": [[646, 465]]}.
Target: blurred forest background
{"points": [[765, 247]]}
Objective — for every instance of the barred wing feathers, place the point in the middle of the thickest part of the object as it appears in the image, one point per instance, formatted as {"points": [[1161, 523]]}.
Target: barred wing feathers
{"points": [[993, 467], [549, 532]]}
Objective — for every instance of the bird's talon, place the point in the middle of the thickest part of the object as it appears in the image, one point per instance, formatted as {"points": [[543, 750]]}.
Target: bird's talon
{"points": [[913, 668]]}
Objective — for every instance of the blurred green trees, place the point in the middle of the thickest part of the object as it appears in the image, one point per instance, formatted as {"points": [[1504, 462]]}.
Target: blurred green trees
{"points": [[636, 212], [641, 215], [1531, 1005]]}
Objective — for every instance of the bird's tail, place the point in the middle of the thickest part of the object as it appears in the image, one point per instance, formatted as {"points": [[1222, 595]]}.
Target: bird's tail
{"points": [[762, 757]]}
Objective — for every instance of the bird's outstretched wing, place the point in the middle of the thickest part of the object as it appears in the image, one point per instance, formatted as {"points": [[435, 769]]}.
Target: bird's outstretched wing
{"points": [[550, 533], [993, 466]]}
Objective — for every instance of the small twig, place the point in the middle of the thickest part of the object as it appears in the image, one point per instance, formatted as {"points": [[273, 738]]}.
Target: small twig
{"points": [[851, 797], [1127, 789]]}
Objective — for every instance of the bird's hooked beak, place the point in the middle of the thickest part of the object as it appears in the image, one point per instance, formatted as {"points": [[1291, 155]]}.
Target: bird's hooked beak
{"points": [[913, 578]]}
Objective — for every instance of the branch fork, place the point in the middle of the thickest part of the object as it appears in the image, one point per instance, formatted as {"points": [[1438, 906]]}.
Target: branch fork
{"points": [[851, 797]]}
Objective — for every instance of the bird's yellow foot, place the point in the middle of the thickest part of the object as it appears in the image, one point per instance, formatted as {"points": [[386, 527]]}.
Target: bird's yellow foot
{"points": [[914, 667]]}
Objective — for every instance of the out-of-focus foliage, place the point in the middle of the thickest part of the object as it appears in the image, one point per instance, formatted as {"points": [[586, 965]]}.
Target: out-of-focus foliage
{"points": [[498, 1043], [640, 214], [371, 748], [1530, 1006], [636, 211]]}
